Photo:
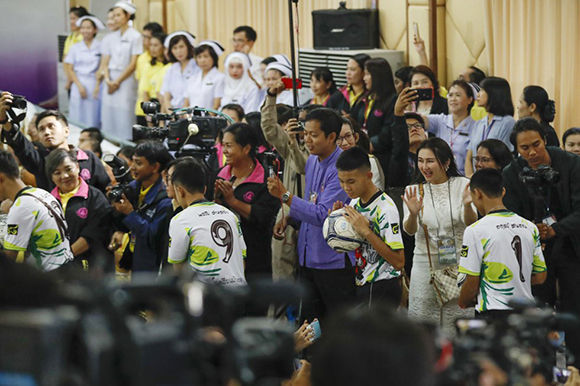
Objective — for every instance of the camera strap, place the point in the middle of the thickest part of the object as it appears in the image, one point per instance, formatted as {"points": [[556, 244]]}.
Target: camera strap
{"points": [[16, 119], [60, 220]]}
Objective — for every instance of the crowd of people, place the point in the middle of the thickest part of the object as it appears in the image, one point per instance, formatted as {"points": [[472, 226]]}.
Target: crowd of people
{"points": [[439, 182]]}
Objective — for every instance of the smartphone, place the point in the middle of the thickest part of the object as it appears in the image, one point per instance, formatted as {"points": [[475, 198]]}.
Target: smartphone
{"points": [[315, 326], [424, 94], [288, 82], [416, 29]]}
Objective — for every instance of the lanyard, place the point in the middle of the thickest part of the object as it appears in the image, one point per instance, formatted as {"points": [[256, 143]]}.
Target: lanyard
{"points": [[450, 208], [485, 133]]}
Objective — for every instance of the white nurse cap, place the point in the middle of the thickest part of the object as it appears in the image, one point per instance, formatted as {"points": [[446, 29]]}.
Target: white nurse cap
{"points": [[190, 38]]}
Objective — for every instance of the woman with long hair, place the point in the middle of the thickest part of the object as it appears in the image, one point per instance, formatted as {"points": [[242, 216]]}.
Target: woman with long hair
{"points": [[355, 86], [241, 186], [440, 201], [180, 49], [535, 102], [495, 95]]}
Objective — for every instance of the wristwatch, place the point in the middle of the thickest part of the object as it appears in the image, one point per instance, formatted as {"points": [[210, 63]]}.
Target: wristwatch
{"points": [[285, 197]]}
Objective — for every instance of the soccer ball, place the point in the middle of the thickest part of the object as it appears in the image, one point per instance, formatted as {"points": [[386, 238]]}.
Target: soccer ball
{"points": [[339, 234]]}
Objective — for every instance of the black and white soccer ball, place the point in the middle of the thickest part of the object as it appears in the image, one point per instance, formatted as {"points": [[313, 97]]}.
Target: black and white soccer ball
{"points": [[339, 234]]}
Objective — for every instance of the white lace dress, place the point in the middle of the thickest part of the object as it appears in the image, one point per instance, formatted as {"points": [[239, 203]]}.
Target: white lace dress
{"points": [[423, 305]]}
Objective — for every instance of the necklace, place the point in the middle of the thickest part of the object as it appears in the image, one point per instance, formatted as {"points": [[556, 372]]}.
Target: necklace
{"points": [[239, 180]]}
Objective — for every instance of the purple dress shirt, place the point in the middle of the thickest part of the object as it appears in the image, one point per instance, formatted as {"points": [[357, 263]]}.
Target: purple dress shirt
{"points": [[321, 191]]}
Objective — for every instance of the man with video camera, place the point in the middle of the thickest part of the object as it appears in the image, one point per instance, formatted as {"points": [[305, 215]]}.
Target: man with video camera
{"points": [[143, 209], [53, 131], [543, 185]]}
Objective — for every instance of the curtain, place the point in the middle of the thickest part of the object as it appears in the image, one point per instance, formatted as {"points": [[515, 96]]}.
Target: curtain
{"points": [[537, 42]]}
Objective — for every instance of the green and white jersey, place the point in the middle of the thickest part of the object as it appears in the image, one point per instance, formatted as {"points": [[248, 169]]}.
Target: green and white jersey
{"points": [[504, 250], [209, 237], [33, 230], [384, 218]]}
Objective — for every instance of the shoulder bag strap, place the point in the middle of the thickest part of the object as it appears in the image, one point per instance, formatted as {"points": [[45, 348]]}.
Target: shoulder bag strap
{"points": [[62, 227], [421, 192]]}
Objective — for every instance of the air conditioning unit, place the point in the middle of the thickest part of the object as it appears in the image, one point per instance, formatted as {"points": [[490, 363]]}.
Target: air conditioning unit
{"points": [[309, 59]]}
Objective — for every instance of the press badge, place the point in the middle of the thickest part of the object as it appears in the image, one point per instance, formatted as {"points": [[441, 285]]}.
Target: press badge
{"points": [[446, 250]]}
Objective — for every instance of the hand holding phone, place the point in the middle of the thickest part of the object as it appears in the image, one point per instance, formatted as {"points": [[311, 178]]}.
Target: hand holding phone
{"points": [[288, 83], [315, 327], [424, 94]]}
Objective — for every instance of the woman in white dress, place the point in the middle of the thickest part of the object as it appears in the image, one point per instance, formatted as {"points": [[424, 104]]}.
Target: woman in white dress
{"points": [[206, 88], [273, 73], [445, 208], [119, 58], [180, 47], [82, 63], [239, 86]]}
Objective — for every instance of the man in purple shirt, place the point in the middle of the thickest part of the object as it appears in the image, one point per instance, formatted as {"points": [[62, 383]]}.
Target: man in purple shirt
{"points": [[327, 274]]}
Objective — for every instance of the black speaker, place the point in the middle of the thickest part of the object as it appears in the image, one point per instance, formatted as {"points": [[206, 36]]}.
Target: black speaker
{"points": [[345, 29]]}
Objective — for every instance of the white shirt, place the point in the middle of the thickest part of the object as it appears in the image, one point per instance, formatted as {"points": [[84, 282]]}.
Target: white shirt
{"points": [[121, 47], [175, 81], [504, 250], [383, 215], [202, 90], [210, 237], [255, 61], [32, 229], [85, 60]]}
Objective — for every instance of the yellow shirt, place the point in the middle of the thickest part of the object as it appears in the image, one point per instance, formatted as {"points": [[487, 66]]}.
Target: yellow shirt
{"points": [[443, 91], [352, 97], [143, 193], [71, 39], [370, 103], [478, 112], [150, 81], [64, 197]]}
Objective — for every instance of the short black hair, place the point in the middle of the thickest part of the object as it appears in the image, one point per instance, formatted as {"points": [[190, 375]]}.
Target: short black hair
{"points": [[244, 135], [55, 158], [357, 342], [268, 60], [468, 91], [489, 181], [476, 76], [417, 116], [236, 107], [51, 113], [190, 174], [254, 120], [353, 159], [309, 108], [154, 27], [94, 133], [330, 121], [284, 113], [203, 48], [153, 152], [499, 96], [127, 151], [526, 124], [569, 132], [95, 147], [324, 74], [404, 73], [79, 11], [251, 34], [498, 150], [8, 165]]}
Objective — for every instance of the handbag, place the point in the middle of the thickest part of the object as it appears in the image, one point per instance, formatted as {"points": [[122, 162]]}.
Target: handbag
{"points": [[444, 280]]}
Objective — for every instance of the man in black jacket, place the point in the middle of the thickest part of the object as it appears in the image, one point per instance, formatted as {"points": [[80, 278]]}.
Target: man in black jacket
{"points": [[53, 132], [553, 203]]}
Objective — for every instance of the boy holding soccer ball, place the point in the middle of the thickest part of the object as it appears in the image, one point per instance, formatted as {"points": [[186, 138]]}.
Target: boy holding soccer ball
{"points": [[374, 216]]}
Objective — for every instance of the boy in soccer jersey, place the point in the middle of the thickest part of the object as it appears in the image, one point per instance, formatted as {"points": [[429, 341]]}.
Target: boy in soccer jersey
{"points": [[205, 235], [374, 216], [37, 228], [501, 257]]}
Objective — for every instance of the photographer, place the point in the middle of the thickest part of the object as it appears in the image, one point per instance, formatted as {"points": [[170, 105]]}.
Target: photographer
{"points": [[543, 185], [53, 132], [143, 207]]}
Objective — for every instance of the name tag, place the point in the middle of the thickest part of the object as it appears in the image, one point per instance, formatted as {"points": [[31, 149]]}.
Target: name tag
{"points": [[209, 84], [464, 134]]}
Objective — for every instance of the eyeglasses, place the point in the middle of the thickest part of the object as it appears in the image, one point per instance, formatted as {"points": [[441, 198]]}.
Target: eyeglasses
{"points": [[483, 160], [346, 138], [415, 126]]}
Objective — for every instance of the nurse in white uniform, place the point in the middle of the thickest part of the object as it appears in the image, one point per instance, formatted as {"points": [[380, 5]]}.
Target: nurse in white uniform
{"points": [[120, 53], [206, 88], [181, 48], [274, 72], [82, 62], [239, 87]]}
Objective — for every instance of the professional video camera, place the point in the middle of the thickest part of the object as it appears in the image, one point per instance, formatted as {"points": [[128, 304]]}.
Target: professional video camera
{"points": [[122, 174], [521, 345], [152, 331], [182, 127], [539, 183], [18, 102]]}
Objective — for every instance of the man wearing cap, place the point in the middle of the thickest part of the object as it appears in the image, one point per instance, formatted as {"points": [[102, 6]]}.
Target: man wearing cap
{"points": [[244, 40]]}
